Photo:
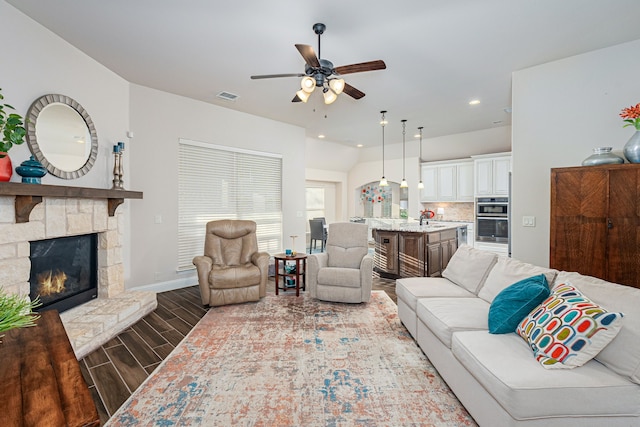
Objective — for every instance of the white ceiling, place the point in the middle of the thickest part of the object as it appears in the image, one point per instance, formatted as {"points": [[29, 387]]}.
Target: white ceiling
{"points": [[439, 54]]}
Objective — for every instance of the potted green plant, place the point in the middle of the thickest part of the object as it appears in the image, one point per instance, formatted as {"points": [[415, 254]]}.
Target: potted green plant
{"points": [[13, 133], [16, 311]]}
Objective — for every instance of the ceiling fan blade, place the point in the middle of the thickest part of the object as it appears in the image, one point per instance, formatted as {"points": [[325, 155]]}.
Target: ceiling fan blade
{"points": [[309, 55], [359, 68], [296, 99], [272, 76], [352, 91]]}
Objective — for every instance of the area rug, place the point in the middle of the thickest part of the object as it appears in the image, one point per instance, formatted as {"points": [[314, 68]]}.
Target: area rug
{"points": [[296, 361]]}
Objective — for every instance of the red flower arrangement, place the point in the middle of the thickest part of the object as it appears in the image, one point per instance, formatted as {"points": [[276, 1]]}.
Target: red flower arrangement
{"points": [[631, 116]]}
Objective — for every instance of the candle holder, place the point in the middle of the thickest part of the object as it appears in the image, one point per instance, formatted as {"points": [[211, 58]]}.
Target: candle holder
{"points": [[118, 172], [293, 245]]}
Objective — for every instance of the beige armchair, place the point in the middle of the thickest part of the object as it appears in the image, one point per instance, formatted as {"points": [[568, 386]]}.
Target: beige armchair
{"points": [[232, 270], [344, 273]]}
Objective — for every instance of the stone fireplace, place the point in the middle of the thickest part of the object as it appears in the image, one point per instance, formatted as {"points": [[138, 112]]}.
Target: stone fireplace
{"points": [[92, 323], [64, 271]]}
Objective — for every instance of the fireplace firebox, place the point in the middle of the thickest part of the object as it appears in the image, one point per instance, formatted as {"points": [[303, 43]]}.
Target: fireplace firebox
{"points": [[64, 271]]}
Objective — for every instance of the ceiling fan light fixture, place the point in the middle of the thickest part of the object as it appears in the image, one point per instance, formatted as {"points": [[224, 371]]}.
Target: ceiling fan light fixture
{"points": [[304, 96], [329, 96], [337, 85], [308, 84]]}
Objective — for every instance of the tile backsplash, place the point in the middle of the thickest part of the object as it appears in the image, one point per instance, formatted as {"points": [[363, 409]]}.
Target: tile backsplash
{"points": [[454, 211]]}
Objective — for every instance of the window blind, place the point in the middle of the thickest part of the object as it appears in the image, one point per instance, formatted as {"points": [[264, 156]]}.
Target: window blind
{"points": [[216, 182]]}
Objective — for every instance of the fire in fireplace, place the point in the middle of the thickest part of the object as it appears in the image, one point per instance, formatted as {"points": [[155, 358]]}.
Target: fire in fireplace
{"points": [[64, 271]]}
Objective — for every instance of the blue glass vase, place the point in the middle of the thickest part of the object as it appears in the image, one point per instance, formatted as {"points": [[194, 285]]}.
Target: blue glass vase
{"points": [[632, 148], [31, 171]]}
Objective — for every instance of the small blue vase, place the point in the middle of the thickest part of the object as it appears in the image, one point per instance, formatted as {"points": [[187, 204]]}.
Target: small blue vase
{"points": [[31, 171], [632, 148]]}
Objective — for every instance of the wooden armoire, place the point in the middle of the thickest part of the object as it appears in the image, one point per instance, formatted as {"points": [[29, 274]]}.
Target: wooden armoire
{"points": [[595, 221]]}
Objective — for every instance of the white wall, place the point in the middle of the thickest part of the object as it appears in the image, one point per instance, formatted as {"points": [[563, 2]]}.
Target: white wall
{"points": [[330, 162], [561, 111], [159, 120], [38, 62]]}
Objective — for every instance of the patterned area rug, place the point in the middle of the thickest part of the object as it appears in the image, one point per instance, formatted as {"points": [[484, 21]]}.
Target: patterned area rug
{"points": [[295, 361]]}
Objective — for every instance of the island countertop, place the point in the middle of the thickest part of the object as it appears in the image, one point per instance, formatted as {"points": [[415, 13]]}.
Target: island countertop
{"points": [[428, 228]]}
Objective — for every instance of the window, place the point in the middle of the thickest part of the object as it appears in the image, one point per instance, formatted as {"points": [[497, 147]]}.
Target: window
{"points": [[216, 182]]}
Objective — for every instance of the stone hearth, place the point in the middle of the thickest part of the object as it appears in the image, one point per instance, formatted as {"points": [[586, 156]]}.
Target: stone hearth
{"points": [[91, 324]]}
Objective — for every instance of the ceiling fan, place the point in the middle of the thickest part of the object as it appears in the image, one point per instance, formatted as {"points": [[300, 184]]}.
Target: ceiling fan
{"points": [[322, 74]]}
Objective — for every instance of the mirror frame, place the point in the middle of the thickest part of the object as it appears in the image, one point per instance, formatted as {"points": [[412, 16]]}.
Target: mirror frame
{"points": [[32, 140]]}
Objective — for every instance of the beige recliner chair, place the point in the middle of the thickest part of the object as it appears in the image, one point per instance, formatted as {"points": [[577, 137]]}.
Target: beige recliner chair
{"points": [[344, 273], [232, 270]]}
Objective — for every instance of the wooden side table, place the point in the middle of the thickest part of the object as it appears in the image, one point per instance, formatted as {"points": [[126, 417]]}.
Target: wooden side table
{"points": [[300, 261], [41, 380]]}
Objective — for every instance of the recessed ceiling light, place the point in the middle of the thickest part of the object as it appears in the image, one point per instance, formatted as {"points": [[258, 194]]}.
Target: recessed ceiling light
{"points": [[360, 145], [474, 102], [321, 136]]}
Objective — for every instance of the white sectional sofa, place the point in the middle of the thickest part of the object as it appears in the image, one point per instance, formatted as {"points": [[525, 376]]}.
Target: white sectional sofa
{"points": [[496, 376]]}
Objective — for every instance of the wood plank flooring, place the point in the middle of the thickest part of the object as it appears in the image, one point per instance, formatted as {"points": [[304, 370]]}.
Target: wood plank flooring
{"points": [[116, 369]]}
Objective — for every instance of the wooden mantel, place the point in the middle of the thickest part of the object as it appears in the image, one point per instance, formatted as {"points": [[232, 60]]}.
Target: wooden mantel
{"points": [[29, 195]]}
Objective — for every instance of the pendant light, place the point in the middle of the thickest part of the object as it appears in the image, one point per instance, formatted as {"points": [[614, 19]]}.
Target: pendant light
{"points": [[404, 183], [383, 122], [420, 184]]}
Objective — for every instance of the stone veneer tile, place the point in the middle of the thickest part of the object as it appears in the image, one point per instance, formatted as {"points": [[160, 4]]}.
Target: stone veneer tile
{"points": [[79, 223], [37, 214], [23, 249], [109, 256], [7, 210], [85, 206], [8, 250], [13, 233], [14, 270], [55, 217], [90, 331], [71, 205]]}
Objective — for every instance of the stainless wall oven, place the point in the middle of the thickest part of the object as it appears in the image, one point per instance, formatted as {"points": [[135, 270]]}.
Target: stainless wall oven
{"points": [[492, 219]]}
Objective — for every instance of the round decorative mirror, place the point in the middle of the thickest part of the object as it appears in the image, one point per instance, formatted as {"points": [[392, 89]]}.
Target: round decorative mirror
{"points": [[61, 136]]}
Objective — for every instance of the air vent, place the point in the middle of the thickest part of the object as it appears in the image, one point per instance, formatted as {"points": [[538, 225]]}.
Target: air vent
{"points": [[227, 96]]}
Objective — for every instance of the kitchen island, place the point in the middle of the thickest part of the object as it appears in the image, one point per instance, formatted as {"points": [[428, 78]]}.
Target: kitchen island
{"points": [[414, 251]]}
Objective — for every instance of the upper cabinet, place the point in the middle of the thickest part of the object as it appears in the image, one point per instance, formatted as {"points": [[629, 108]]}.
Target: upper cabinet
{"points": [[492, 175], [447, 181]]}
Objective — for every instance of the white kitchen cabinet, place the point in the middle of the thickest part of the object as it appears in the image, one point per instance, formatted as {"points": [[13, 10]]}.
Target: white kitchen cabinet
{"points": [[492, 175], [450, 181], [430, 181], [464, 182]]}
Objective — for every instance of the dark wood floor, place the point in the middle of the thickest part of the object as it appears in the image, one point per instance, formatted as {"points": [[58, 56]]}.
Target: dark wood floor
{"points": [[116, 369]]}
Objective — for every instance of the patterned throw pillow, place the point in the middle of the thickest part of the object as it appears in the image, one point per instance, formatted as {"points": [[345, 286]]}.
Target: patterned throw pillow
{"points": [[568, 329]]}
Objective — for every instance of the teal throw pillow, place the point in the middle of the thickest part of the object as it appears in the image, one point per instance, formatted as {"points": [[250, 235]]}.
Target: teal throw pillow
{"points": [[515, 302]]}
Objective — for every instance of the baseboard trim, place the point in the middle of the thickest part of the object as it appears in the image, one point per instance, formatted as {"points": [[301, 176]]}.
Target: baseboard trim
{"points": [[169, 285]]}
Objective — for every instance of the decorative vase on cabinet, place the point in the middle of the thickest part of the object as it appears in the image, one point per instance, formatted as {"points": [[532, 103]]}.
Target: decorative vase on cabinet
{"points": [[632, 148], [602, 156]]}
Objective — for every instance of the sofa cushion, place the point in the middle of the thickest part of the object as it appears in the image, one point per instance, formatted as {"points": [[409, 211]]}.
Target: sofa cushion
{"points": [[568, 329], [411, 289], [503, 365], [469, 267], [507, 271], [444, 316], [336, 276], [514, 303], [623, 353]]}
